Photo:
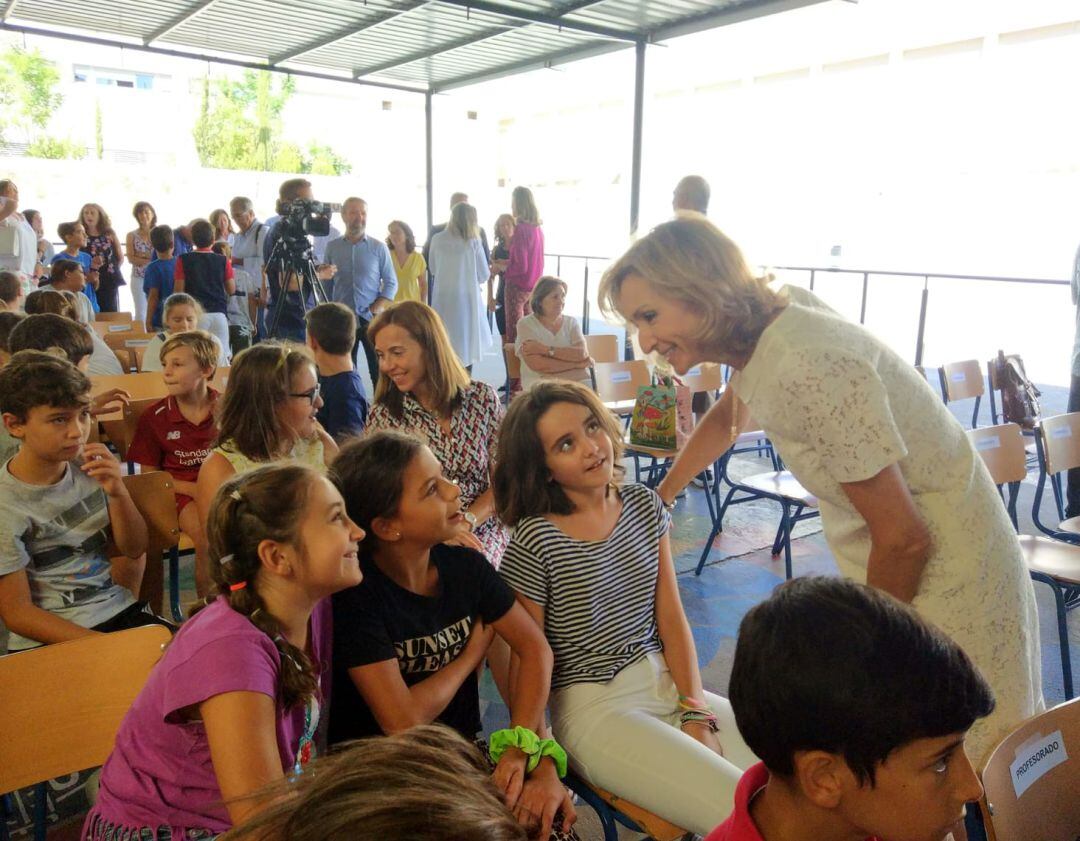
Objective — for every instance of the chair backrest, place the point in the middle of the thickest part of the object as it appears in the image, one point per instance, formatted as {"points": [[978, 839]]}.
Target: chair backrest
{"points": [[1060, 436], [961, 380], [63, 703], [111, 328], [703, 378], [1002, 451], [603, 347], [121, 431], [128, 339], [513, 361], [1032, 779], [120, 317], [146, 383], [155, 498], [619, 381]]}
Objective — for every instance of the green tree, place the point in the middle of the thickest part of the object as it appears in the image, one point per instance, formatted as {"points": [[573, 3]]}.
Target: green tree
{"points": [[28, 94], [322, 160], [239, 127]]}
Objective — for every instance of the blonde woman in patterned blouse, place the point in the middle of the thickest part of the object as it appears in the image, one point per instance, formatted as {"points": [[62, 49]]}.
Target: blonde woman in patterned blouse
{"points": [[906, 503]]}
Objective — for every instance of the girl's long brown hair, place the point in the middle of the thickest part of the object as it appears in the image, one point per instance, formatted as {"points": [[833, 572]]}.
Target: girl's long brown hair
{"points": [[259, 381], [521, 482], [104, 223], [263, 504]]}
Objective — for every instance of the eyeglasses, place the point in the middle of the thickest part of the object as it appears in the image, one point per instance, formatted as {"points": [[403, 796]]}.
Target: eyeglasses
{"points": [[311, 395]]}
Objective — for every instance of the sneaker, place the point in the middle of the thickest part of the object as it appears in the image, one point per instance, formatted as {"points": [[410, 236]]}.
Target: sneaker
{"points": [[697, 479]]}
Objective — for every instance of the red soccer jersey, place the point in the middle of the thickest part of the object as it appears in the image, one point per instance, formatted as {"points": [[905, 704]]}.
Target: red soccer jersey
{"points": [[167, 440]]}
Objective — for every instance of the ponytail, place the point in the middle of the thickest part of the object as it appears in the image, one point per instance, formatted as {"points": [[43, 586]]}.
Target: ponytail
{"points": [[264, 504]]}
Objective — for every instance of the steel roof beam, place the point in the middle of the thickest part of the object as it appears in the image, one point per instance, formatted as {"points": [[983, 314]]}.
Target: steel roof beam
{"points": [[230, 62], [547, 20], [178, 21], [9, 9], [711, 20], [420, 55], [541, 62], [345, 32]]}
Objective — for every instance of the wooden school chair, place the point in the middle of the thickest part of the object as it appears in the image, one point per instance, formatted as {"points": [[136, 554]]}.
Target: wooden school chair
{"points": [[63, 704], [613, 810], [111, 328], [617, 384], [1032, 780], [962, 381], [124, 346], [115, 317], [154, 497], [144, 384], [777, 485], [603, 347], [1053, 560], [121, 431]]}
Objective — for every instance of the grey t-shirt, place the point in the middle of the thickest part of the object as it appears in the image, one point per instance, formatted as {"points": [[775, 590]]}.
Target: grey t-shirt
{"points": [[58, 535]]}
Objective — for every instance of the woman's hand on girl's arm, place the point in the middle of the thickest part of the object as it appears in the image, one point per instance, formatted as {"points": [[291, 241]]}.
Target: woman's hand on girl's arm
{"points": [[397, 706], [241, 728], [900, 542]]}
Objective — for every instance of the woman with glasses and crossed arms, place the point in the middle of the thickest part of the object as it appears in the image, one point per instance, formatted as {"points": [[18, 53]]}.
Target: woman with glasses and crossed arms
{"points": [[266, 414]]}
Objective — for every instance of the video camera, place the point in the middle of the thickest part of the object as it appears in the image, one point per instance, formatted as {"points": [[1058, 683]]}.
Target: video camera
{"points": [[303, 217]]}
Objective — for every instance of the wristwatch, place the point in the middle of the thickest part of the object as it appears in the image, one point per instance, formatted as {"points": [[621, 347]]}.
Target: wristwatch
{"points": [[470, 518]]}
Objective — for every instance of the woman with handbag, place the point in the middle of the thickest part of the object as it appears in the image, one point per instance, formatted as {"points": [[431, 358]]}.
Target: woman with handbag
{"points": [[906, 503]]}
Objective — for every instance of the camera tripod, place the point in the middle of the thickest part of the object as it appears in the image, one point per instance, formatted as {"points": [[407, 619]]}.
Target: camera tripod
{"points": [[289, 265]]}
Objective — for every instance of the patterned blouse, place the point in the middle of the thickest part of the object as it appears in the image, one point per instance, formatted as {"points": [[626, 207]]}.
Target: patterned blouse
{"points": [[467, 453]]}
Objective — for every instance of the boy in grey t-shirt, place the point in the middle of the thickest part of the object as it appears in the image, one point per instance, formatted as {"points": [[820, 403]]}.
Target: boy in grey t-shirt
{"points": [[62, 501]]}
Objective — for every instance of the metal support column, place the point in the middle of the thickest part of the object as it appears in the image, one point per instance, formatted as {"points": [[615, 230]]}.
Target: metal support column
{"points": [[635, 159], [428, 161]]}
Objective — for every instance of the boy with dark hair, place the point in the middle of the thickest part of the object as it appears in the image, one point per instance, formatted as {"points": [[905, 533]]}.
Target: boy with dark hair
{"points": [[158, 277], [857, 708], [74, 236], [331, 331], [11, 292], [63, 504], [68, 275], [208, 278]]}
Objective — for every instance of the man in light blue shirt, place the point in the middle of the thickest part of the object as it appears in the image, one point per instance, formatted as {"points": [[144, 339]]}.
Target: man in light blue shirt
{"points": [[364, 277]]}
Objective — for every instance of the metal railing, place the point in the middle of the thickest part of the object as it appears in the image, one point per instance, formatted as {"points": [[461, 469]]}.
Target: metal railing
{"points": [[585, 306], [924, 303]]}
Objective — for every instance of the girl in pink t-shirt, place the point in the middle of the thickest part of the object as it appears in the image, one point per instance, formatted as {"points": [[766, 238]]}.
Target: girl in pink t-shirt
{"points": [[234, 704]]}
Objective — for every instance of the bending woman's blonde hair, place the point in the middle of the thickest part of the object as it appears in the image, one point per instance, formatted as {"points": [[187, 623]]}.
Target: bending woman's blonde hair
{"points": [[689, 260], [424, 784]]}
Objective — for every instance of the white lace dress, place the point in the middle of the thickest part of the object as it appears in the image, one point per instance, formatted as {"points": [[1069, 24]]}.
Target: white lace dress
{"points": [[840, 407]]}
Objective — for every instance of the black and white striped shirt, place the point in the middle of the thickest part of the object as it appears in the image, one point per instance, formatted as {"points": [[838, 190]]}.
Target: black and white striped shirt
{"points": [[599, 596]]}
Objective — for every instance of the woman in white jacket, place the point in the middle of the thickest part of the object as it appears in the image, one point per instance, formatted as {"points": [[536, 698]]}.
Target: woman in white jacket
{"points": [[460, 271]]}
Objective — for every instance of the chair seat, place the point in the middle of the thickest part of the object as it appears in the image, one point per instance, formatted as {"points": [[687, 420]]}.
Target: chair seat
{"points": [[1072, 525], [654, 825], [780, 483], [1055, 558], [751, 436]]}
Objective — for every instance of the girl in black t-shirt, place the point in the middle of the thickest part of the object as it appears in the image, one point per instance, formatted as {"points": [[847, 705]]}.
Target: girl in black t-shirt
{"points": [[409, 639]]}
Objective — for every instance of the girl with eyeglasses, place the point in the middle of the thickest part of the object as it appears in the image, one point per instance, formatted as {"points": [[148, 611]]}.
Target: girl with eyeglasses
{"points": [[267, 414]]}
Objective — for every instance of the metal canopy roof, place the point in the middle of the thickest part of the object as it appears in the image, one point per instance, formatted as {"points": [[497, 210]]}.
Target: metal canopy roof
{"points": [[422, 45]]}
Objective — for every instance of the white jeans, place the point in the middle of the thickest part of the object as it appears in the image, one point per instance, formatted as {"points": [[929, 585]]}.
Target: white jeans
{"points": [[218, 324], [624, 736]]}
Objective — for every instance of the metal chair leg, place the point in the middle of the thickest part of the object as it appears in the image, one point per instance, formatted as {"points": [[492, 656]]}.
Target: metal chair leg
{"points": [[41, 800], [174, 584], [1063, 631]]}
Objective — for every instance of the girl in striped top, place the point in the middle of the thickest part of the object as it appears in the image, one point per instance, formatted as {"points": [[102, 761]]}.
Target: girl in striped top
{"points": [[590, 560]]}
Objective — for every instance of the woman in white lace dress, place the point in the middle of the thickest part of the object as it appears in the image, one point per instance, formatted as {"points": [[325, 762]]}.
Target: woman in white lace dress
{"points": [[906, 503]]}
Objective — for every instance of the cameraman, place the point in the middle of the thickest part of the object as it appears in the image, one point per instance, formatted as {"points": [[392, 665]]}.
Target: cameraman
{"points": [[364, 279], [291, 323]]}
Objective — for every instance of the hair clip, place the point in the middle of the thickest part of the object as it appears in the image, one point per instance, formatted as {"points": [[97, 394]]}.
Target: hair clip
{"points": [[225, 559], [280, 639], [240, 585], [235, 494]]}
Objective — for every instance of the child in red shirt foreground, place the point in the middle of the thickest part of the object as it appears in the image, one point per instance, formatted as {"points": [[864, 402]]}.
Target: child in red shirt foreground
{"points": [[858, 709], [176, 433]]}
